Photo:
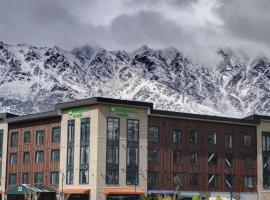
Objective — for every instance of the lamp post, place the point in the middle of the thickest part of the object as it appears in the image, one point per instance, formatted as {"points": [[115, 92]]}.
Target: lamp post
{"points": [[62, 186]]}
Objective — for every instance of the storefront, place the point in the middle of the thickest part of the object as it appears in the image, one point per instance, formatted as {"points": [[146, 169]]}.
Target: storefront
{"points": [[123, 194], [76, 193], [26, 191]]}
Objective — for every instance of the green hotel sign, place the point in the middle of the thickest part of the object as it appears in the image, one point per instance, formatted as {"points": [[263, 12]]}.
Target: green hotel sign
{"points": [[122, 112], [77, 112]]}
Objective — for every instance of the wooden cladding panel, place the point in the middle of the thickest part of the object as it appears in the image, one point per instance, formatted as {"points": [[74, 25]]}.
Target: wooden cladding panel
{"points": [[166, 168], [32, 167]]}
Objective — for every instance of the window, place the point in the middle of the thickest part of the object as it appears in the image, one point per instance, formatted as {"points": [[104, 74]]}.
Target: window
{"points": [[70, 151], [84, 150], [26, 157], [38, 177], [153, 180], [112, 176], [55, 155], [12, 179], [112, 150], [54, 178], [176, 136], [39, 157], [153, 155], [1, 151], [266, 142], [266, 170], [132, 152], [228, 141], [178, 179], [212, 138], [212, 158], [194, 180], [40, 137], [153, 134], [247, 140], [193, 158], [27, 137], [212, 180], [177, 157], [69, 177], [56, 132], [132, 131], [25, 178], [248, 181], [193, 136], [229, 160], [229, 181], [248, 162], [13, 158], [14, 139]]}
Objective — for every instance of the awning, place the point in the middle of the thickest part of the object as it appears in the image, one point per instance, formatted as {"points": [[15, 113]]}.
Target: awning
{"points": [[126, 191], [29, 189], [75, 190]]}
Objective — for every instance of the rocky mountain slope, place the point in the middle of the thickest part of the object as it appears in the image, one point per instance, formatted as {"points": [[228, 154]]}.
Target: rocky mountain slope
{"points": [[33, 79]]}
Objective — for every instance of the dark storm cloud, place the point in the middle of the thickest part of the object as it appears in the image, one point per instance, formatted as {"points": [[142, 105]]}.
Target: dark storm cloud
{"points": [[248, 19], [196, 27]]}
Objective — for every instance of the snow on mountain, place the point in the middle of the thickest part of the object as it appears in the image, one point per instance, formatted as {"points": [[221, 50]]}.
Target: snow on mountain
{"points": [[34, 79]]}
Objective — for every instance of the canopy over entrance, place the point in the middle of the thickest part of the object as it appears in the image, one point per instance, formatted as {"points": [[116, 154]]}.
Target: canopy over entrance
{"points": [[29, 189]]}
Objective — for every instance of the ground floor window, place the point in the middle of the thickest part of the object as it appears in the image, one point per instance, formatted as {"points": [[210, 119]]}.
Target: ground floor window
{"points": [[153, 180]]}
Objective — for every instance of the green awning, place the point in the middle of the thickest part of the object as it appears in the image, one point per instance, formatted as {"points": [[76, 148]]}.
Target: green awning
{"points": [[29, 189]]}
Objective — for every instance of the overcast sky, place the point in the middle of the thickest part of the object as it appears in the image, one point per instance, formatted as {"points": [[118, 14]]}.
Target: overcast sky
{"points": [[196, 27]]}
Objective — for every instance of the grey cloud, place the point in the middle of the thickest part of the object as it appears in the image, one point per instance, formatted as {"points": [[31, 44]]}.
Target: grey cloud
{"points": [[247, 19]]}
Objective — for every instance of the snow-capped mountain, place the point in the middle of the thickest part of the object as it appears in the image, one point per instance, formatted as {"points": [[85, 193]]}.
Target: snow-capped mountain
{"points": [[34, 79]]}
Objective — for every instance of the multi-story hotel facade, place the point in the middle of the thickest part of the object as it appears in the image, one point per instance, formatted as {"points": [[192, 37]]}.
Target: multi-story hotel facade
{"points": [[102, 148]]}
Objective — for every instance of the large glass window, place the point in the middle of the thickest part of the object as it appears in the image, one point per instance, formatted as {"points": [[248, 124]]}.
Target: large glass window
{"points": [[212, 180], [153, 134], [266, 159], [40, 137], [56, 132], [212, 158], [194, 180], [84, 150], [1, 151], [112, 150], [229, 181], [228, 141], [27, 137], [193, 136], [153, 155], [177, 157], [55, 155], [54, 178], [25, 178], [177, 136], [247, 140], [14, 138], [248, 180], [153, 180], [132, 160], [70, 152], [39, 157], [38, 177], [212, 138], [26, 157], [13, 158], [193, 158], [229, 160], [12, 179]]}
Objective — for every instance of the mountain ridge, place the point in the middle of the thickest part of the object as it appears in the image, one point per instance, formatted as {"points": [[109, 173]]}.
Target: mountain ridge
{"points": [[33, 79]]}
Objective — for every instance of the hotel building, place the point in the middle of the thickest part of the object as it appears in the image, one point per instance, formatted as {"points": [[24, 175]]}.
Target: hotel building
{"points": [[102, 148]]}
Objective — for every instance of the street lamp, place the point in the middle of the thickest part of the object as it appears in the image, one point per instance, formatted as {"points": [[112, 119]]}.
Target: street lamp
{"points": [[62, 186]]}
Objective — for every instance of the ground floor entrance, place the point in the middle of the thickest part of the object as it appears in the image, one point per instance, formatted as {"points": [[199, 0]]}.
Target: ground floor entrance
{"points": [[124, 197]]}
